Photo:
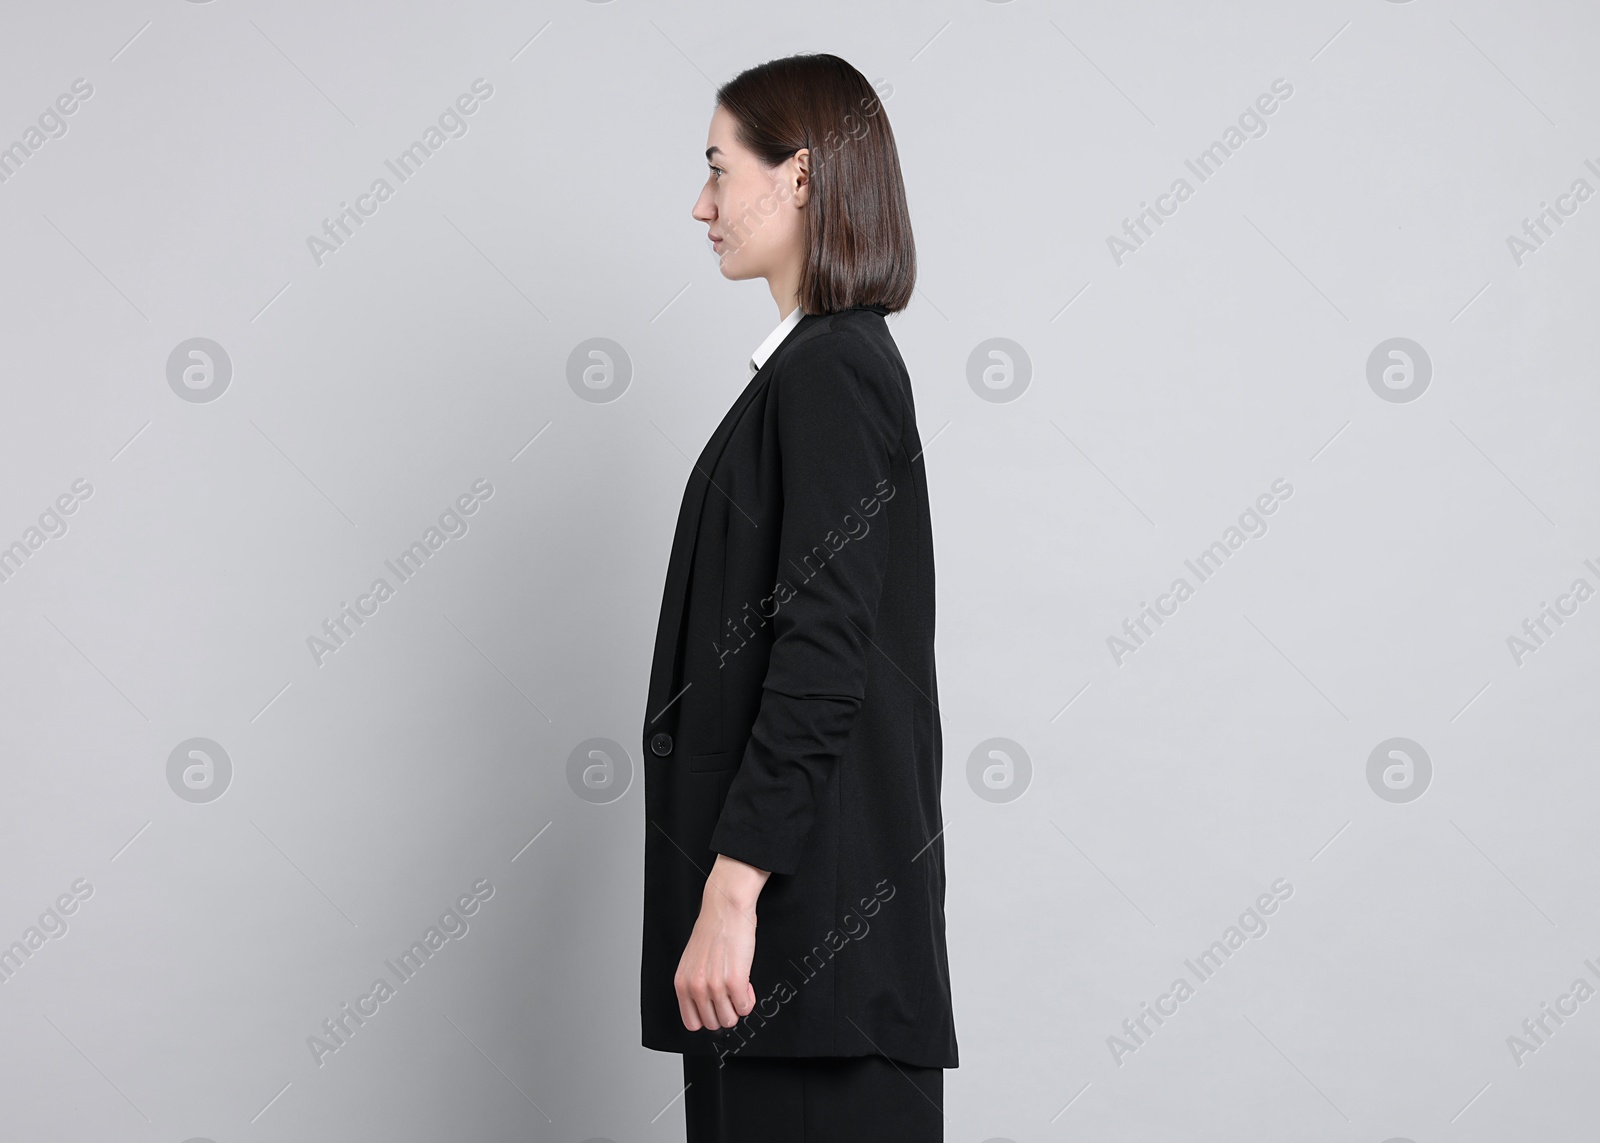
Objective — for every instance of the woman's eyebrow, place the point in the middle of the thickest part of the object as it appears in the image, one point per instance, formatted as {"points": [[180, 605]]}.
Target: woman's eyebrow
{"points": [[712, 150]]}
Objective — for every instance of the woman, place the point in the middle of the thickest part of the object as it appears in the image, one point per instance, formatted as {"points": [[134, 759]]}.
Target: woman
{"points": [[792, 736]]}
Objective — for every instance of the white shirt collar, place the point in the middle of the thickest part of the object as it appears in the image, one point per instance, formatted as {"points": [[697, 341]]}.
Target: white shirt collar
{"points": [[774, 339]]}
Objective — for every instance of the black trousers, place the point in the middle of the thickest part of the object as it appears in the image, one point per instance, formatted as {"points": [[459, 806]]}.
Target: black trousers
{"points": [[811, 1099]]}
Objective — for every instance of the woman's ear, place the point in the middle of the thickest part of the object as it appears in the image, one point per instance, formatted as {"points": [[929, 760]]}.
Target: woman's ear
{"points": [[802, 177]]}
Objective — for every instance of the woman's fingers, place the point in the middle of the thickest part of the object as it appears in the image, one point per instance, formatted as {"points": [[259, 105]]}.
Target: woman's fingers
{"points": [[722, 1001], [704, 1002], [686, 1007]]}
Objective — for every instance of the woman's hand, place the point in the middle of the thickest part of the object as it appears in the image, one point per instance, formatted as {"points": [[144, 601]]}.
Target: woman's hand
{"points": [[713, 977]]}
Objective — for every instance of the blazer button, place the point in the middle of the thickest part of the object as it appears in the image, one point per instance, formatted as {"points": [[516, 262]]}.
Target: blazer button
{"points": [[661, 745]]}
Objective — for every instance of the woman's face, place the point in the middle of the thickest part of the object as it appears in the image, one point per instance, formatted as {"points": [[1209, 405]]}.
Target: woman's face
{"points": [[752, 213]]}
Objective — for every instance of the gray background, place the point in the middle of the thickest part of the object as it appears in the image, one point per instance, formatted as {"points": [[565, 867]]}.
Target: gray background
{"points": [[1165, 395]]}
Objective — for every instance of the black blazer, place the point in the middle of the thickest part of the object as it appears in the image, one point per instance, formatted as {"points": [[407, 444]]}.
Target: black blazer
{"points": [[793, 719]]}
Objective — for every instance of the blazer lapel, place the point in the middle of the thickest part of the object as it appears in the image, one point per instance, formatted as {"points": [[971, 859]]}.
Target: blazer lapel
{"points": [[674, 596]]}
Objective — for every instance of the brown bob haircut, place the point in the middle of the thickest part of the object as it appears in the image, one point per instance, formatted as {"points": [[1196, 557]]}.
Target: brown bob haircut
{"points": [[857, 230]]}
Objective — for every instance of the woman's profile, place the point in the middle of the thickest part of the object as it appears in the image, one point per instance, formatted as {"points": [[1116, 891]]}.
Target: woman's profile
{"points": [[792, 735]]}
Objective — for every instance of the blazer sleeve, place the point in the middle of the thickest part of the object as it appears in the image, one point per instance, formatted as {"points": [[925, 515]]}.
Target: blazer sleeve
{"points": [[837, 426]]}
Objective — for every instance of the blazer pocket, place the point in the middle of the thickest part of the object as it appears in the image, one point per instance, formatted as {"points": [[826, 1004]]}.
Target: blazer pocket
{"points": [[699, 762]]}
